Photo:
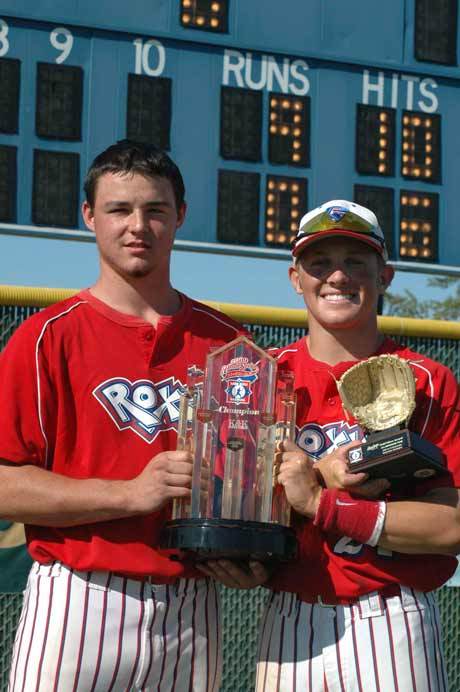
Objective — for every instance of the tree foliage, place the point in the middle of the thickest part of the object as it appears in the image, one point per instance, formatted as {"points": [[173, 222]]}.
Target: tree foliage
{"points": [[408, 304], [405, 305]]}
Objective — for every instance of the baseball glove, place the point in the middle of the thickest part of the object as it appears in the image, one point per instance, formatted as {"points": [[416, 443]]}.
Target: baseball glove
{"points": [[379, 392]]}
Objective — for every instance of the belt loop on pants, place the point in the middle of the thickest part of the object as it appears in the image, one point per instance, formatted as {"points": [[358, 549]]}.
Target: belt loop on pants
{"points": [[326, 605], [374, 599], [147, 578]]}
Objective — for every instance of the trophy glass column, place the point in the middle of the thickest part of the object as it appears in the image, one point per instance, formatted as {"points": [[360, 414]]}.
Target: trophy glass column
{"points": [[231, 418]]}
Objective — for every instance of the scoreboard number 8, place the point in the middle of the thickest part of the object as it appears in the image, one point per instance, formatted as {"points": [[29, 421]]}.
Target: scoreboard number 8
{"points": [[4, 43]]}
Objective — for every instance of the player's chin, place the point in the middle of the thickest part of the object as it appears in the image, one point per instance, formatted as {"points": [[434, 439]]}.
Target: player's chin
{"points": [[342, 322], [140, 273], [137, 270], [340, 312]]}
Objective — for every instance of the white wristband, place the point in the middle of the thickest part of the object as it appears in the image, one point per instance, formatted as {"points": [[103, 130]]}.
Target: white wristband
{"points": [[379, 524]]}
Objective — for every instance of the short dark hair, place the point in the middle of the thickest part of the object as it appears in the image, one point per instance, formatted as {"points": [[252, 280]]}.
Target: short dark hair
{"points": [[127, 156]]}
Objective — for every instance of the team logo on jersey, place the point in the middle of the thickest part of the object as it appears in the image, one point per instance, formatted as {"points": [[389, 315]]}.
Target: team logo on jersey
{"points": [[146, 407], [336, 213], [238, 377], [318, 440]]}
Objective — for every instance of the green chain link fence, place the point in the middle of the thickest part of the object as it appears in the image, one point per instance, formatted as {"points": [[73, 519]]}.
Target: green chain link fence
{"points": [[242, 609]]}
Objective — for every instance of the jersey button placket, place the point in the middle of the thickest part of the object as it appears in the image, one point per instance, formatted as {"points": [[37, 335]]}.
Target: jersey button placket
{"points": [[148, 340]]}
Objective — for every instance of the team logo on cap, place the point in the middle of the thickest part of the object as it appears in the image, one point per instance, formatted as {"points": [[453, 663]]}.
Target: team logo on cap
{"points": [[238, 376], [336, 213]]}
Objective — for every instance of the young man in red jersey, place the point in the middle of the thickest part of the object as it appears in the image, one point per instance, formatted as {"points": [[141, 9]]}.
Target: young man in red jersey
{"points": [[355, 611], [92, 387]]}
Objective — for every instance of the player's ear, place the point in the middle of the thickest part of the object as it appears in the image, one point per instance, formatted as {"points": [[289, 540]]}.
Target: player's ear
{"points": [[386, 275], [181, 215], [87, 213], [294, 277]]}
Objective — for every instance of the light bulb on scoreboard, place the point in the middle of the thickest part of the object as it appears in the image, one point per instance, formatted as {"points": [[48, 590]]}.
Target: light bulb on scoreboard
{"points": [[289, 131], [206, 15], [286, 200], [418, 238]]}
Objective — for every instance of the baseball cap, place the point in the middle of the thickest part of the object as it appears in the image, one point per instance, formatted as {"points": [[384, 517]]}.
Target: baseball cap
{"points": [[340, 218]]}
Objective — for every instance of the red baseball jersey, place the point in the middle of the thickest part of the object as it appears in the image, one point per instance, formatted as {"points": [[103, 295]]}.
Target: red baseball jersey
{"points": [[335, 566], [94, 393]]}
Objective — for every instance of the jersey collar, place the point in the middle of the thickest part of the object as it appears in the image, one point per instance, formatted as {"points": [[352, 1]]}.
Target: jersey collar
{"points": [[387, 346], [126, 320]]}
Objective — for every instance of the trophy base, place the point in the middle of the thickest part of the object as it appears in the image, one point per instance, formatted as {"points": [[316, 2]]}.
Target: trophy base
{"points": [[233, 539], [400, 457]]}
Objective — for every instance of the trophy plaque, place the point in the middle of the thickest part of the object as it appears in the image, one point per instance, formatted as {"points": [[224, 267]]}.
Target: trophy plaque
{"points": [[380, 394], [231, 418]]}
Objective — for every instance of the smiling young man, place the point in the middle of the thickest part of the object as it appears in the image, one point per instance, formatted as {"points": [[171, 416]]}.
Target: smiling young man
{"points": [[93, 385], [355, 611]]}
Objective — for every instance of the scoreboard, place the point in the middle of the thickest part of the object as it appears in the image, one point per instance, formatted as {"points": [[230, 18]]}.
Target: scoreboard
{"points": [[269, 107]]}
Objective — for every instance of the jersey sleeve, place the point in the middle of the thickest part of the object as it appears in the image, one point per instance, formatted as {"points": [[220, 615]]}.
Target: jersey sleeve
{"points": [[24, 386], [438, 420]]}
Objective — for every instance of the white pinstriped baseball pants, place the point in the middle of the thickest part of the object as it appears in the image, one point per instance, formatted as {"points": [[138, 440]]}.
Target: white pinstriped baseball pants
{"points": [[97, 632], [376, 645]]}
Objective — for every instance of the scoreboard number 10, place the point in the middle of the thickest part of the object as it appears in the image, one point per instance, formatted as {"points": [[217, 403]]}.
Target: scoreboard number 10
{"points": [[142, 61]]}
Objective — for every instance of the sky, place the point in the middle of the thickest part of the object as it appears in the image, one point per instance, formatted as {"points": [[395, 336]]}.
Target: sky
{"points": [[73, 264]]}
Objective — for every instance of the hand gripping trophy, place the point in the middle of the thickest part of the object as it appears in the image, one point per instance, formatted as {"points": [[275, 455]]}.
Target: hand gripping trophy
{"points": [[231, 418], [380, 393]]}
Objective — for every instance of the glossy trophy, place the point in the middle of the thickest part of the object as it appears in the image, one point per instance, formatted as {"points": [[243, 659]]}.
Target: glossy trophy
{"points": [[231, 418]]}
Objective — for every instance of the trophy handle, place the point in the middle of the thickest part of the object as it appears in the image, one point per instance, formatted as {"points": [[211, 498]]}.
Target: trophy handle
{"points": [[185, 441], [285, 430], [266, 446], [203, 470], [190, 400]]}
